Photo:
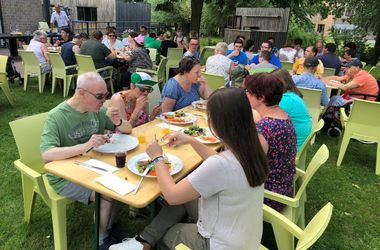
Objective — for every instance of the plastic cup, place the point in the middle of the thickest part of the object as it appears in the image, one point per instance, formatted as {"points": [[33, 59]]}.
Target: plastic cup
{"points": [[165, 131], [120, 159], [141, 139]]}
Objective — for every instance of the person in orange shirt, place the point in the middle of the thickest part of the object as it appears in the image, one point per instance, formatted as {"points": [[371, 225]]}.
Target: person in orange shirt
{"points": [[358, 81], [298, 67]]}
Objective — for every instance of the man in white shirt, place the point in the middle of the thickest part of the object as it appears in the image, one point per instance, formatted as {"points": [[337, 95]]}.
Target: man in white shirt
{"points": [[60, 17]]}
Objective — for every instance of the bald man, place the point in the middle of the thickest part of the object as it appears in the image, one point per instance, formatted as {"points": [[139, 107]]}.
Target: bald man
{"points": [[74, 127]]}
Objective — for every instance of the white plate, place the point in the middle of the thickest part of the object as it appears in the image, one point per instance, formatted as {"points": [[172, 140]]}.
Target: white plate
{"points": [[201, 104], [176, 162], [191, 118], [208, 133], [118, 142]]}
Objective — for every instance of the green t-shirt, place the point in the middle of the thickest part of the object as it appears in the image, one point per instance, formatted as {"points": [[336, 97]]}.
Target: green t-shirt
{"points": [[97, 51], [65, 127]]}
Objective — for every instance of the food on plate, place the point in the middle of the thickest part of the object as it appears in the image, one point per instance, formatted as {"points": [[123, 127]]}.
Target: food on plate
{"points": [[195, 131], [200, 133], [141, 165], [177, 116]]}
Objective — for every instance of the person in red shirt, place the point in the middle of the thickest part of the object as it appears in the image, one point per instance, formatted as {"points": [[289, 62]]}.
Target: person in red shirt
{"points": [[358, 81]]}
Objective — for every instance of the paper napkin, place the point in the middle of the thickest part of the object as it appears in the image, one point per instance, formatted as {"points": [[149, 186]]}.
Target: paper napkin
{"points": [[117, 184], [99, 164], [169, 126]]}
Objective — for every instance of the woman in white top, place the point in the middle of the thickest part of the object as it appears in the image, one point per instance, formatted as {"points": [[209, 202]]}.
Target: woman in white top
{"points": [[111, 42], [227, 186], [39, 46], [288, 52], [219, 63]]}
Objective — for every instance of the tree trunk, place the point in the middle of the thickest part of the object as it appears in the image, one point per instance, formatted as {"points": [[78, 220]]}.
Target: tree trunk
{"points": [[376, 54], [196, 14]]}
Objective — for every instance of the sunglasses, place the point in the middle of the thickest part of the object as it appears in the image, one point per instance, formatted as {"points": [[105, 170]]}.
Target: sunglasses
{"points": [[111, 35], [97, 96], [145, 88]]}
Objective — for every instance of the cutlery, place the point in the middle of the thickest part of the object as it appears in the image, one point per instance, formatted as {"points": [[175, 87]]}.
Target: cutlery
{"points": [[142, 177], [90, 166], [109, 137]]}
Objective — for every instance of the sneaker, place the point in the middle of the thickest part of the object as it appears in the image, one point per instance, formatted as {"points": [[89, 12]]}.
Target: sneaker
{"points": [[107, 242], [119, 232], [128, 244]]}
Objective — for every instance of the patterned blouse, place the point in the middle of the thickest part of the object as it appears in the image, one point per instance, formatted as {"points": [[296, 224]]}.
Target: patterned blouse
{"points": [[281, 138]]}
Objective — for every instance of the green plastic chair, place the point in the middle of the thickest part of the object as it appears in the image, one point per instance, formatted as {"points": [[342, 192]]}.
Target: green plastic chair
{"points": [[27, 133], [32, 69], [25, 46], [260, 70], [307, 237], [295, 209], [206, 52], [157, 75], [214, 81], [43, 26], [287, 65], [362, 124], [153, 55], [4, 84], [301, 154], [174, 56], [312, 99], [86, 64], [59, 71], [328, 72]]}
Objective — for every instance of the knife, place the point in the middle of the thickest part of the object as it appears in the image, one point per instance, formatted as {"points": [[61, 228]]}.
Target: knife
{"points": [[148, 167], [90, 166]]}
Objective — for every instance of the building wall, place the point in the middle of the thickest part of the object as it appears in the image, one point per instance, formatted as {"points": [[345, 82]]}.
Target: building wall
{"points": [[21, 14], [328, 22], [106, 8]]}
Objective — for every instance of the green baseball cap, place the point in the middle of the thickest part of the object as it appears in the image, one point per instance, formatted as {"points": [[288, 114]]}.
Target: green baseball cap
{"points": [[142, 78]]}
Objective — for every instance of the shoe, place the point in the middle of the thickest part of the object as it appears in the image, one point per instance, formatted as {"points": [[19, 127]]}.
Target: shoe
{"points": [[128, 244], [119, 232], [107, 242]]}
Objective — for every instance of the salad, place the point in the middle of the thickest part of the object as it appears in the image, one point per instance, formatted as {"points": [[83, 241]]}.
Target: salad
{"points": [[200, 133], [177, 116], [141, 165]]}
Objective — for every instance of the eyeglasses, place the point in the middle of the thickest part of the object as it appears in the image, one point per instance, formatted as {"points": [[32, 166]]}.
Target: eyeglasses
{"points": [[97, 96], [111, 35], [194, 44], [145, 88]]}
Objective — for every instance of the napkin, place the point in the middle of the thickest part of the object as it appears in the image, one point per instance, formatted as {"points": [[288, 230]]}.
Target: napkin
{"points": [[100, 164], [117, 184], [169, 126]]}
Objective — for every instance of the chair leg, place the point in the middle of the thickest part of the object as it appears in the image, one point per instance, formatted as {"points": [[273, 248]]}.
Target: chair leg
{"points": [[378, 159], [26, 78], [53, 84], [66, 85], [7, 92], [111, 85], [29, 197], [58, 215], [343, 147], [41, 82]]}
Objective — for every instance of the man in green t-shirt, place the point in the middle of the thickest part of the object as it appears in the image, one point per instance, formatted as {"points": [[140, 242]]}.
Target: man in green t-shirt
{"points": [[74, 127]]}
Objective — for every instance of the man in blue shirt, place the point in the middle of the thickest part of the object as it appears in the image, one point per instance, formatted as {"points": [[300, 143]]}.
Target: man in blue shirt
{"points": [[309, 80], [267, 46], [330, 59], [236, 54]]}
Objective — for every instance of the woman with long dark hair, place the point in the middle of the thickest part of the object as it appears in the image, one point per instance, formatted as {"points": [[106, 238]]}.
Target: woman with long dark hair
{"points": [[293, 104], [264, 92], [227, 187]]}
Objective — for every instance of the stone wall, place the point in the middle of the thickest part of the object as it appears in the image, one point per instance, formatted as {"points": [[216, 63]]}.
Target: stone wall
{"points": [[21, 14]]}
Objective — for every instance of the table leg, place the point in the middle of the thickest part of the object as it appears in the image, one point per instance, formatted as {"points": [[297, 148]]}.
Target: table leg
{"points": [[97, 209], [13, 46]]}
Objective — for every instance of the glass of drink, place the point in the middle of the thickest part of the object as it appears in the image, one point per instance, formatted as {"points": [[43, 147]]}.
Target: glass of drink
{"points": [[141, 138], [165, 131], [120, 158]]}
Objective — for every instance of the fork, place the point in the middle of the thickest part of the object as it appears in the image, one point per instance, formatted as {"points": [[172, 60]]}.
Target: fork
{"points": [[109, 134]]}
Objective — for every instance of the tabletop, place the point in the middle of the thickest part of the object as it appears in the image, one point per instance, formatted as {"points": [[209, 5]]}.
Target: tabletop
{"points": [[149, 189]]}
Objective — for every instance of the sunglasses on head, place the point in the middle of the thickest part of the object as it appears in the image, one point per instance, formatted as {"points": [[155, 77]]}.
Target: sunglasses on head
{"points": [[144, 88], [98, 96]]}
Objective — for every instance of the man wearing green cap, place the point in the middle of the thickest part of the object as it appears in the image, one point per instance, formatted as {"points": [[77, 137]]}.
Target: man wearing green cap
{"points": [[133, 104]]}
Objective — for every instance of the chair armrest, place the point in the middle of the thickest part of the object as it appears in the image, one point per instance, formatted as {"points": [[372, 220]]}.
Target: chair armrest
{"points": [[24, 169], [104, 68], [362, 94], [281, 198], [148, 71], [71, 66]]}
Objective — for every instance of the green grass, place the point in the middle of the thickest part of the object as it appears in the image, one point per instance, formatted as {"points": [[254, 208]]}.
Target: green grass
{"points": [[353, 189]]}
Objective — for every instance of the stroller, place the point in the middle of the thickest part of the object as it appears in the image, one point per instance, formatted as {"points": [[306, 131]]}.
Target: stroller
{"points": [[331, 117]]}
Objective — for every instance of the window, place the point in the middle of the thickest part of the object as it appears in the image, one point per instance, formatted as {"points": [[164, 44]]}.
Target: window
{"points": [[87, 13], [321, 28]]}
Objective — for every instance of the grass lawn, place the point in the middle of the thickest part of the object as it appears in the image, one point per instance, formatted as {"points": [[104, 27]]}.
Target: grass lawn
{"points": [[353, 189]]}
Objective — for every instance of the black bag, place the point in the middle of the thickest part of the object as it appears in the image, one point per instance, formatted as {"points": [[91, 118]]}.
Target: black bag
{"points": [[11, 70]]}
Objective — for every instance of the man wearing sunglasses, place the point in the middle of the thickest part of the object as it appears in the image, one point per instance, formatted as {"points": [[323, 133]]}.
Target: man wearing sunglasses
{"points": [[74, 127], [133, 104]]}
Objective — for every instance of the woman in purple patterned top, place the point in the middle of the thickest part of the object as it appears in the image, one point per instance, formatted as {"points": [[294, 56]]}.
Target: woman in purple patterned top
{"points": [[264, 92]]}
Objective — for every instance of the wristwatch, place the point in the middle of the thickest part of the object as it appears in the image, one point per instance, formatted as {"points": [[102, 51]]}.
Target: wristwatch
{"points": [[157, 159]]}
